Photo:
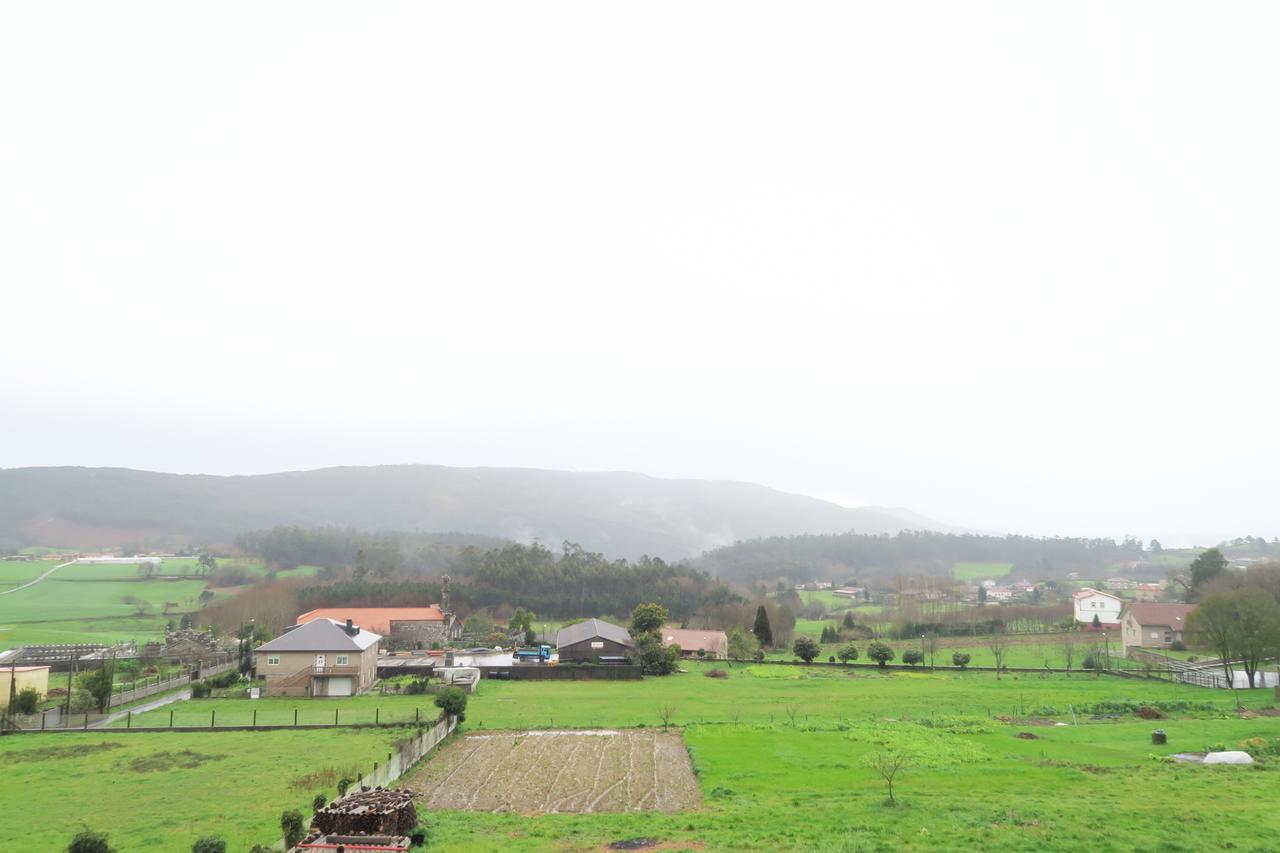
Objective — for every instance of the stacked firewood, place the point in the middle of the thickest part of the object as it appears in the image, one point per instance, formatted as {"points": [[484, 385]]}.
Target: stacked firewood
{"points": [[380, 811]]}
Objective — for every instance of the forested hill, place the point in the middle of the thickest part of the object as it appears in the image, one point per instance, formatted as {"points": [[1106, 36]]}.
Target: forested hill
{"points": [[867, 557], [621, 514]]}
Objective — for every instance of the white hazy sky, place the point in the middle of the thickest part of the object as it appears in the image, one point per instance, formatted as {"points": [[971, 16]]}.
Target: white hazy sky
{"points": [[1012, 265]]}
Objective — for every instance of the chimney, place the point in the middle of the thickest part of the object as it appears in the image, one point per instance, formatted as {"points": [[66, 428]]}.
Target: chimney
{"points": [[352, 630]]}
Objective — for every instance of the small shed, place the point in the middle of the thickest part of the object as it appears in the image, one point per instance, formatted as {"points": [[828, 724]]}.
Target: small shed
{"points": [[592, 640]]}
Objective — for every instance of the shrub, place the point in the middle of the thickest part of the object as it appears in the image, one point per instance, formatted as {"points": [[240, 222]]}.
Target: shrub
{"points": [[200, 690], [291, 825], [88, 841], [831, 658], [911, 657], [453, 702], [343, 784], [1178, 646], [847, 653], [759, 655], [716, 673], [1146, 712], [420, 835], [209, 844], [960, 659], [27, 701], [223, 680], [805, 648], [880, 653], [318, 801]]}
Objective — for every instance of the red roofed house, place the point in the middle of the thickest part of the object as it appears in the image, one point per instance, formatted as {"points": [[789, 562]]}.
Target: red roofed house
{"points": [[712, 645], [1149, 625], [403, 627]]}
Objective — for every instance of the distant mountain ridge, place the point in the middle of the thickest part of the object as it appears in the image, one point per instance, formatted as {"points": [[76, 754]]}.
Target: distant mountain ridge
{"points": [[620, 514]]}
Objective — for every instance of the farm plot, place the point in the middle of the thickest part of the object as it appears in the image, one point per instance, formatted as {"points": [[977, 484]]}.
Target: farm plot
{"points": [[623, 770]]}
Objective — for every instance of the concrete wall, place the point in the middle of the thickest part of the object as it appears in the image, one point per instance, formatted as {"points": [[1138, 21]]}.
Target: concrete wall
{"points": [[15, 681]]}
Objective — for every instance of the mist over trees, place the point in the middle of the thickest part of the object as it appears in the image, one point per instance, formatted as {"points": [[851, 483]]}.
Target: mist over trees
{"points": [[883, 557]]}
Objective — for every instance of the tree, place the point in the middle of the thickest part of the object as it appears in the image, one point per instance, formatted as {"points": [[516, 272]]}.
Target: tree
{"points": [[452, 701], [998, 643], [931, 645], [982, 595], [209, 844], [27, 700], [829, 634], [847, 653], [88, 841], [1205, 568], [665, 713], [185, 622], [97, 684], [1154, 546], [653, 658], [805, 648], [888, 763], [880, 653], [207, 563], [291, 826], [1240, 625], [318, 801], [762, 631], [847, 622], [647, 619], [1097, 622], [1069, 649], [911, 657], [206, 595], [960, 659], [742, 646]]}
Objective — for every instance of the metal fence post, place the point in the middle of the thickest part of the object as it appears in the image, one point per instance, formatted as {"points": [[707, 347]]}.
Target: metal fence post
{"points": [[170, 718], [335, 716], [255, 718], [295, 716], [128, 720], [213, 715], [376, 713]]}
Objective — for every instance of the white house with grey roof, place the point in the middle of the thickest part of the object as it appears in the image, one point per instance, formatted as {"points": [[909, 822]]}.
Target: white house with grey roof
{"points": [[322, 657]]}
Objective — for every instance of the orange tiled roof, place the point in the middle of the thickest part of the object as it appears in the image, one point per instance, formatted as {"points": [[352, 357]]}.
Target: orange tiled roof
{"points": [[375, 619]]}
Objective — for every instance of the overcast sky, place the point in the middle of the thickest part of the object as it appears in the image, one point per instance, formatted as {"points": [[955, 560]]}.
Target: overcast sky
{"points": [[1013, 265]]}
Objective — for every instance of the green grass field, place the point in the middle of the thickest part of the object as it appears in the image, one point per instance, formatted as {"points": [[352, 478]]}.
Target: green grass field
{"points": [[980, 571], [158, 793], [780, 753]]}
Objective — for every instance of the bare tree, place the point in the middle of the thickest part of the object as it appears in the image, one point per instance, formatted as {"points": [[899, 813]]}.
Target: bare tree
{"points": [[792, 710], [998, 643], [888, 764], [1069, 648], [665, 713]]}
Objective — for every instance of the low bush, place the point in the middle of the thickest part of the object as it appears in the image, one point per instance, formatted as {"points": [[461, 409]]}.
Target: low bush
{"points": [[230, 678], [1146, 712], [961, 659], [27, 700], [200, 690], [1177, 646], [716, 673], [209, 844], [88, 841], [318, 801]]}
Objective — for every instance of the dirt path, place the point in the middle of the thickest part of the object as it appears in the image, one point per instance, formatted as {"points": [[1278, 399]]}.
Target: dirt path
{"points": [[37, 580], [166, 699]]}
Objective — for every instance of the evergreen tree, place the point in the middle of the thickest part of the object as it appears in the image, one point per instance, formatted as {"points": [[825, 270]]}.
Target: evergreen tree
{"points": [[848, 620], [762, 631]]}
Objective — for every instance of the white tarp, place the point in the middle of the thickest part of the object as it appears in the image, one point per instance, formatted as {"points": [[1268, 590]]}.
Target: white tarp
{"points": [[1232, 757]]}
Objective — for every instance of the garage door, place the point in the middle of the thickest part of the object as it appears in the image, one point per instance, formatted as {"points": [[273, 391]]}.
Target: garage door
{"points": [[339, 686]]}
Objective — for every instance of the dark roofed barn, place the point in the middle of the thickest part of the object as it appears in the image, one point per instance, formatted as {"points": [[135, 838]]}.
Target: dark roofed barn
{"points": [[592, 640]]}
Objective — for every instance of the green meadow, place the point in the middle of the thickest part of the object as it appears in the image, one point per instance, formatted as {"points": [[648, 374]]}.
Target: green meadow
{"points": [[158, 793], [781, 755], [980, 571]]}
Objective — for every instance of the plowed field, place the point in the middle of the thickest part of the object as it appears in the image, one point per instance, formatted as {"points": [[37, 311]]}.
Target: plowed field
{"points": [[560, 771]]}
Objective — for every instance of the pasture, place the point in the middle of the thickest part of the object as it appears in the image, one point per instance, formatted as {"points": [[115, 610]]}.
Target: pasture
{"points": [[780, 756], [980, 571], [157, 793]]}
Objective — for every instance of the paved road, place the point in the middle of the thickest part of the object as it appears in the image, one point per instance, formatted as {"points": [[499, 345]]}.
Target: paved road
{"points": [[166, 699], [37, 580]]}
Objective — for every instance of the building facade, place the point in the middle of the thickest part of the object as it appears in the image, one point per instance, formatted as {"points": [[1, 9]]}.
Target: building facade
{"points": [[1088, 603], [319, 658], [1148, 625], [593, 640]]}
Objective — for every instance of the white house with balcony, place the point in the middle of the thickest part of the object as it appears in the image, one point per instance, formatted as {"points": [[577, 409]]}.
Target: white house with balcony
{"points": [[1089, 603]]}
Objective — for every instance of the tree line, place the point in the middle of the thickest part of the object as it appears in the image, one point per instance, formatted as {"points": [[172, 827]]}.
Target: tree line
{"points": [[864, 557]]}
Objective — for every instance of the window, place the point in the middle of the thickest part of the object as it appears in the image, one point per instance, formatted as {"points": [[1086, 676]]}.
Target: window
{"points": [[273, 660], [341, 661], [596, 644], [1155, 635]]}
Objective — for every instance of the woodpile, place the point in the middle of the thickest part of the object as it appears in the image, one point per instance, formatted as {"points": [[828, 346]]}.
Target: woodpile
{"points": [[380, 811]]}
